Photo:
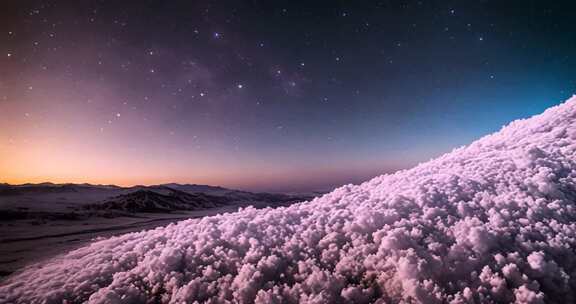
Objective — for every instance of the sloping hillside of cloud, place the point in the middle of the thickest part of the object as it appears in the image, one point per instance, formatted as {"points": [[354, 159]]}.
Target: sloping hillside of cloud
{"points": [[491, 222]]}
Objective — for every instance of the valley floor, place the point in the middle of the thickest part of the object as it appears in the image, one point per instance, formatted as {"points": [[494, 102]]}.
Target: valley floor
{"points": [[24, 243]]}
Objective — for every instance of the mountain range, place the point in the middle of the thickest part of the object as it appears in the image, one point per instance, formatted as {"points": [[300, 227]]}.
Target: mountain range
{"points": [[69, 201]]}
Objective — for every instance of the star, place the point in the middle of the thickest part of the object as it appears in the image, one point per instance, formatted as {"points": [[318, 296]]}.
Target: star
{"points": [[240, 86]]}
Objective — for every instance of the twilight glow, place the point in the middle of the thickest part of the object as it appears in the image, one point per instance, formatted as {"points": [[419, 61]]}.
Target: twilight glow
{"points": [[266, 96]]}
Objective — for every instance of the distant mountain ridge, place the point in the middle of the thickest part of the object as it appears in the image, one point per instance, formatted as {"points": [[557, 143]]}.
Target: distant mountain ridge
{"points": [[8, 189], [196, 187], [112, 200], [165, 199], [54, 187], [152, 201]]}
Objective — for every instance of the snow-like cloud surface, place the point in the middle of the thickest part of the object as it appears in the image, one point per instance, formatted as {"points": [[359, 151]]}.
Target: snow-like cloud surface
{"points": [[489, 223]]}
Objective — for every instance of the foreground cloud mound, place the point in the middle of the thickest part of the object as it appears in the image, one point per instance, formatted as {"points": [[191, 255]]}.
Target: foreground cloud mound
{"points": [[494, 222]]}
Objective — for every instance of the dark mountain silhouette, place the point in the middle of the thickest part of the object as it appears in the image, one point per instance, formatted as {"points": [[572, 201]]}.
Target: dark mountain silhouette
{"points": [[108, 200], [151, 201]]}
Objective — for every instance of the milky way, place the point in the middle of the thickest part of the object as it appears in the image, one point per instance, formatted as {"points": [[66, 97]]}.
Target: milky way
{"points": [[282, 95]]}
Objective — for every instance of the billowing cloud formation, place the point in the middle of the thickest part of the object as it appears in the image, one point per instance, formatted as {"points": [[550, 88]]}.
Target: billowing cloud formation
{"points": [[492, 222]]}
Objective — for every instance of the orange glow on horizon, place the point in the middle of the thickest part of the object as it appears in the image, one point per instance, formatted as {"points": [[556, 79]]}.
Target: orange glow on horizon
{"points": [[61, 146]]}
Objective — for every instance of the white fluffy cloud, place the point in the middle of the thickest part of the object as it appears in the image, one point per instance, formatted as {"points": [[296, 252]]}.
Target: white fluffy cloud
{"points": [[492, 222]]}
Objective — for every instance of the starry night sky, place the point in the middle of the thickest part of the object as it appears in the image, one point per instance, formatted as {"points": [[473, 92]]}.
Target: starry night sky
{"points": [[267, 95]]}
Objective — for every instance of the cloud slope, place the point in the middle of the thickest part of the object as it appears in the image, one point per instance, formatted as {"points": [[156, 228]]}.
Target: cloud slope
{"points": [[491, 222]]}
